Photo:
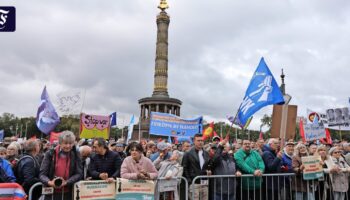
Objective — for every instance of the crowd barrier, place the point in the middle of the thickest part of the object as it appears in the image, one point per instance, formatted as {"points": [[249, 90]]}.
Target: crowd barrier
{"points": [[166, 188], [285, 186]]}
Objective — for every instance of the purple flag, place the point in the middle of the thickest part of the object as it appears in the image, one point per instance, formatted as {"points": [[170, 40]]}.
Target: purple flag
{"points": [[47, 117]]}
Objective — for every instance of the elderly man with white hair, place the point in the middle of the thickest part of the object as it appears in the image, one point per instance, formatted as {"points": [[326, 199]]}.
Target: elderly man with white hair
{"points": [[61, 168], [85, 152]]}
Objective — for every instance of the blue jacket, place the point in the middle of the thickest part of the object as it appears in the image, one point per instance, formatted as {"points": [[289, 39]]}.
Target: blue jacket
{"points": [[6, 167], [28, 170], [287, 163], [273, 165], [272, 162]]}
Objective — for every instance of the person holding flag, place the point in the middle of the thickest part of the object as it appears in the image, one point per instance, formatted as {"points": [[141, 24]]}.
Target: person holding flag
{"points": [[223, 164]]}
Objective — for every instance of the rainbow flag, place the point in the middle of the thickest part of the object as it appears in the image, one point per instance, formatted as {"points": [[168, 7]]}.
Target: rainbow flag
{"points": [[12, 191]]}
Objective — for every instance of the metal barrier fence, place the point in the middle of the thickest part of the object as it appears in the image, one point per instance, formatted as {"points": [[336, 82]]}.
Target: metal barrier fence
{"points": [[30, 195], [285, 186], [161, 194]]}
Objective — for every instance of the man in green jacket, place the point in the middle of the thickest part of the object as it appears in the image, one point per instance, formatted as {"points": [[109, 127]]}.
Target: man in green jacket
{"points": [[250, 162]]}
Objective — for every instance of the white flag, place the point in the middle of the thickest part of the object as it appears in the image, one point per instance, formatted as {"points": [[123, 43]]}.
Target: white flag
{"points": [[70, 102]]}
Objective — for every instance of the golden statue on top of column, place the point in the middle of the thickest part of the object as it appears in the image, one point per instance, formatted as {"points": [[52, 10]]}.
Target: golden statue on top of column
{"points": [[163, 5]]}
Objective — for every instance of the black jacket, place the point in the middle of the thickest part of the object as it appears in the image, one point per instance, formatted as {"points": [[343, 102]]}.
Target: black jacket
{"points": [[190, 163], [109, 163], [47, 169], [28, 169]]}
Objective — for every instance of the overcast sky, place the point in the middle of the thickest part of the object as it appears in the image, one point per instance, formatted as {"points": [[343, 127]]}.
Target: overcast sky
{"points": [[108, 48]]}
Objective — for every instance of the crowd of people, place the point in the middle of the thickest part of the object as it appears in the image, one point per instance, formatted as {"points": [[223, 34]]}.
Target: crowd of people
{"points": [[250, 166]]}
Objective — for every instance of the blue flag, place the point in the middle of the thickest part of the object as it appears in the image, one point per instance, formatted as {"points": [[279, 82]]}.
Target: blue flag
{"points": [[47, 118], [262, 91], [130, 128], [113, 120], [2, 133]]}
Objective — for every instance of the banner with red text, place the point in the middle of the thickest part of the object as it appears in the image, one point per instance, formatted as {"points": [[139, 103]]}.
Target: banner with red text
{"points": [[313, 169]]}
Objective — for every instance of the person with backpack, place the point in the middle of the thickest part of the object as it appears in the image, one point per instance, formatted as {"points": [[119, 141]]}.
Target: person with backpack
{"points": [[27, 168], [61, 168]]}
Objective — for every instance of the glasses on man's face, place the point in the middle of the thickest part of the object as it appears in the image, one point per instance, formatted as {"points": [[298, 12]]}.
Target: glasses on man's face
{"points": [[337, 152], [246, 144]]}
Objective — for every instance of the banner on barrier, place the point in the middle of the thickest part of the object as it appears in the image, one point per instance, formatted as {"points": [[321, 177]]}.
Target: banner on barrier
{"points": [[134, 189], [94, 190], [313, 169]]}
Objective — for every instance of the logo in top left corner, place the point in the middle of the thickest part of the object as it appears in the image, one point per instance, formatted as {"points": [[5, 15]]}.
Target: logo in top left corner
{"points": [[7, 19]]}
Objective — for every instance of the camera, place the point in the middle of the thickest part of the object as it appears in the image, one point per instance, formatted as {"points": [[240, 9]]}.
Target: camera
{"points": [[58, 181]]}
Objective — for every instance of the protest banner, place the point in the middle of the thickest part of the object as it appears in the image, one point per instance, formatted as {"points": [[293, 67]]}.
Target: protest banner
{"points": [[92, 126], [313, 169], [314, 132], [167, 185], [134, 189], [338, 117], [70, 102], [172, 125], [91, 190]]}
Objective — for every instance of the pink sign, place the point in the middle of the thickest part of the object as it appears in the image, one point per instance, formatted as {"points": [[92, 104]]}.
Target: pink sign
{"points": [[92, 121]]}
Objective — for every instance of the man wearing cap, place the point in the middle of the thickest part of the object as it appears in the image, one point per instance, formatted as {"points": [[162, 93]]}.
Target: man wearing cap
{"points": [[287, 167], [216, 140], [287, 157], [163, 152]]}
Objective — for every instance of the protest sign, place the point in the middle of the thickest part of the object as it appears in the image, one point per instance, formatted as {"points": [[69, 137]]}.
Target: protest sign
{"points": [[167, 185], [313, 169], [134, 189], [91, 190], [70, 102], [172, 125], [290, 121], [92, 126], [314, 132]]}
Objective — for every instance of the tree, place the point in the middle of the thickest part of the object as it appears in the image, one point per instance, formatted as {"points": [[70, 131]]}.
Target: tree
{"points": [[266, 121]]}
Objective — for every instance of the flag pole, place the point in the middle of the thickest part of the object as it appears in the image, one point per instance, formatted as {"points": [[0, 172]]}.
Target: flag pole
{"points": [[139, 130], [82, 106], [234, 119]]}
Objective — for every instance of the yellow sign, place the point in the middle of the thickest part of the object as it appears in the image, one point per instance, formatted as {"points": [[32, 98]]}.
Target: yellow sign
{"points": [[92, 126]]}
